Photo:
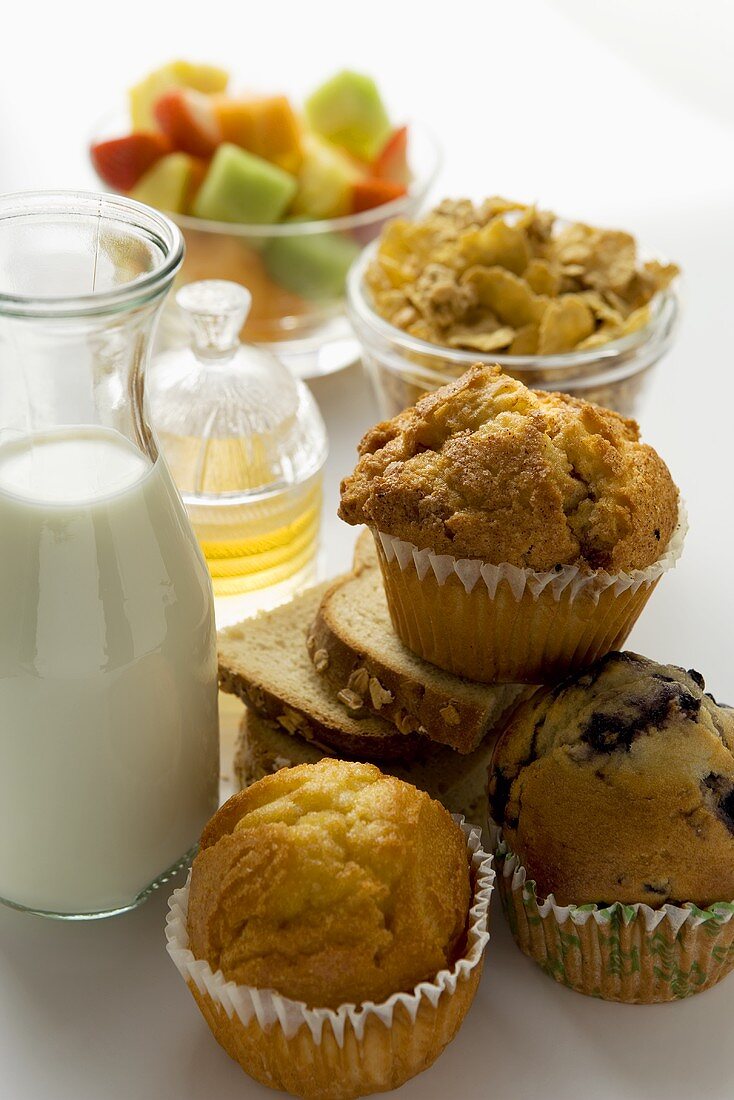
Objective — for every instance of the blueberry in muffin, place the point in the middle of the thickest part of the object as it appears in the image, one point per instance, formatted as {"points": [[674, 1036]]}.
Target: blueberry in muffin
{"points": [[618, 785]]}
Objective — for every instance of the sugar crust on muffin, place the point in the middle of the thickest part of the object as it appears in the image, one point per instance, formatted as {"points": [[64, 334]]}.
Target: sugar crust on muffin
{"points": [[330, 883], [618, 785], [486, 468]]}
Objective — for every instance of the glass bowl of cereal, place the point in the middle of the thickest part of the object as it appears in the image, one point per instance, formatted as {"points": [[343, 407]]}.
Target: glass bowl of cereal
{"points": [[560, 305], [274, 192]]}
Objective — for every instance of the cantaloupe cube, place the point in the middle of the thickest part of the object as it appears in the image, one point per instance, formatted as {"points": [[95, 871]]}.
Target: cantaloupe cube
{"points": [[266, 126], [240, 187], [176, 74]]}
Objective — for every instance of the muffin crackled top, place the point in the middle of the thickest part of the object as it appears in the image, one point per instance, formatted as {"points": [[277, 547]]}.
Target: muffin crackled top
{"points": [[618, 785], [332, 884], [486, 468]]}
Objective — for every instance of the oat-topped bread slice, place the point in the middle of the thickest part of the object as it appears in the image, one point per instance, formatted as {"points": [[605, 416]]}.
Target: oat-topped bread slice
{"points": [[265, 662], [355, 649], [365, 552], [458, 781]]}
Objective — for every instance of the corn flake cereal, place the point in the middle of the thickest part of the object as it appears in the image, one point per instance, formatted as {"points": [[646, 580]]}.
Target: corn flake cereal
{"points": [[507, 277]]}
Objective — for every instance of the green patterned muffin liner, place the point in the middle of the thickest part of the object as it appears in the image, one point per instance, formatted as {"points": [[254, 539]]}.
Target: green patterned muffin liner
{"points": [[630, 953]]}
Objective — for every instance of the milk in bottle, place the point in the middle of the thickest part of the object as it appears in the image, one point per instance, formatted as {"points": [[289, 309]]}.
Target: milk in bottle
{"points": [[108, 680]]}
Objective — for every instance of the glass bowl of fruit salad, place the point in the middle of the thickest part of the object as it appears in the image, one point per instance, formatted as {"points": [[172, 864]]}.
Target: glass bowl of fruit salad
{"points": [[279, 199]]}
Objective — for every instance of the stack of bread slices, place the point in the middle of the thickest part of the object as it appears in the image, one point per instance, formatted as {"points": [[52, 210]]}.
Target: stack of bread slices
{"points": [[326, 675]]}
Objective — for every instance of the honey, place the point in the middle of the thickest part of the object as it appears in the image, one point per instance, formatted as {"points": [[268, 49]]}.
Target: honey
{"points": [[255, 543], [246, 446]]}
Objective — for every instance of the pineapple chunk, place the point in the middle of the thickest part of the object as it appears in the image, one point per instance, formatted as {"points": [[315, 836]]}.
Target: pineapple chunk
{"points": [[325, 182], [176, 74]]}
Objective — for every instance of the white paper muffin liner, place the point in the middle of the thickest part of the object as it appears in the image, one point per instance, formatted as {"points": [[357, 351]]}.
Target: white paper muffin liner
{"points": [[270, 1009], [571, 578], [504, 624], [630, 953]]}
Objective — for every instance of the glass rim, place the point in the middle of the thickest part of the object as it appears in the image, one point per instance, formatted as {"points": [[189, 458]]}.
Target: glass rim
{"points": [[90, 204], [665, 309], [312, 226]]}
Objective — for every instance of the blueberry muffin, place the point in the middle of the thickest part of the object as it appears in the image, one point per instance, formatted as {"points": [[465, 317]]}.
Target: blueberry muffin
{"points": [[552, 507], [615, 791]]}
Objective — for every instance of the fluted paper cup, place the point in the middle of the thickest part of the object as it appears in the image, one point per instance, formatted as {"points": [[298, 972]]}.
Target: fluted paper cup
{"points": [[336, 1054], [629, 953], [505, 624]]}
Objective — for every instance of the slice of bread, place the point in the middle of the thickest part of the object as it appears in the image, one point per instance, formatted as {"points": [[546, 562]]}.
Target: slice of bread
{"points": [[354, 648], [264, 661], [459, 782], [365, 553]]}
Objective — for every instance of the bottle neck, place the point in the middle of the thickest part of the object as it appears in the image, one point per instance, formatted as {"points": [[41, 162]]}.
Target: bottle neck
{"points": [[61, 372], [82, 280]]}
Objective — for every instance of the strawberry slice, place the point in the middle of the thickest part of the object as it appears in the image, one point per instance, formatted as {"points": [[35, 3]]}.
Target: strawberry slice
{"points": [[368, 193], [121, 162], [188, 119], [392, 162]]}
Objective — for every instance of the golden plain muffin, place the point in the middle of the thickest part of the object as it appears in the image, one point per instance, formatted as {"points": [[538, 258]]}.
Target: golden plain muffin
{"points": [[520, 532], [329, 905], [614, 792], [330, 884]]}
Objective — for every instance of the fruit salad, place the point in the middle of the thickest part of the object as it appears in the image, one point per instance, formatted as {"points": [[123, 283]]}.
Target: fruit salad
{"points": [[196, 148], [256, 181]]}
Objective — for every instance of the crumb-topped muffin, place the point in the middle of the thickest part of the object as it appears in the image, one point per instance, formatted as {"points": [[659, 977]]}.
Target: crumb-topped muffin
{"points": [[618, 785], [615, 795], [486, 468], [519, 532], [330, 883], [333, 929]]}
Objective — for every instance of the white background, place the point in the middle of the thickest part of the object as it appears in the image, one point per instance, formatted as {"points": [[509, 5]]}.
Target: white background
{"points": [[615, 111]]}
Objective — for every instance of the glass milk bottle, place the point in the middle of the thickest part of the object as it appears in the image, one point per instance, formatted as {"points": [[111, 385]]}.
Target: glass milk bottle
{"points": [[246, 445], [108, 693]]}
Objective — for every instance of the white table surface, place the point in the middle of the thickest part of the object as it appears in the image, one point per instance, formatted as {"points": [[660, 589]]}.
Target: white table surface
{"points": [[547, 107]]}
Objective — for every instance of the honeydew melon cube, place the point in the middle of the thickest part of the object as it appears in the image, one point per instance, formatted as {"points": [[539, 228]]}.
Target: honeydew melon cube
{"points": [[240, 187], [348, 110], [313, 265]]}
